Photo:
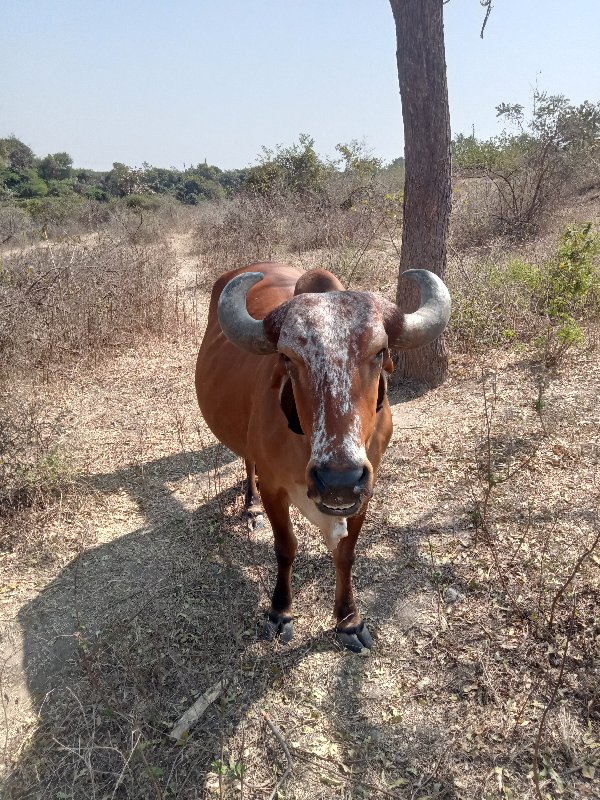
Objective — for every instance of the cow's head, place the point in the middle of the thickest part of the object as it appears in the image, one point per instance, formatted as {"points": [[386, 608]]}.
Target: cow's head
{"points": [[334, 361]]}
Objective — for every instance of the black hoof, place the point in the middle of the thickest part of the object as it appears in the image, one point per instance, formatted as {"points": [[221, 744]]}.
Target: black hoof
{"points": [[357, 638], [255, 522], [278, 626]]}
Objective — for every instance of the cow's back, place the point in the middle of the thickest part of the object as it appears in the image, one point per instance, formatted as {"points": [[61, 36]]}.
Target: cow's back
{"points": [[228, 378]]}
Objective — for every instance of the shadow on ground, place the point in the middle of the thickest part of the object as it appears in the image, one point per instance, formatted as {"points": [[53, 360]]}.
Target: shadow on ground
{"points": [[131, 632]]}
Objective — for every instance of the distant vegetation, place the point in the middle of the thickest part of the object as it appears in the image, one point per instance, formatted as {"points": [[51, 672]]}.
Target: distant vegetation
{"points": [[503, 185], [513, 179], [24, 177]]}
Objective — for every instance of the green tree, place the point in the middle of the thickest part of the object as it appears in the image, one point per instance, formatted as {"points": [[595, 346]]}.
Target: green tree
{"points": [[296, 169], [162, 180], [18, 157], [123, 180], [357, 161], [31, 185], [55, 167], [196, 188]]}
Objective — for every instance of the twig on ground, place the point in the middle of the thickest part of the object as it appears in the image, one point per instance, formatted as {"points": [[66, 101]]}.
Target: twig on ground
{"points": [[193, 714], [549, 704], [560, 593], [126, 763], [284, 747], [322, 764]]}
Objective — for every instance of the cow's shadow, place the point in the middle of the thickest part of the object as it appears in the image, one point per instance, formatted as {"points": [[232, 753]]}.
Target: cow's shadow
{"points": [[132, 631]]}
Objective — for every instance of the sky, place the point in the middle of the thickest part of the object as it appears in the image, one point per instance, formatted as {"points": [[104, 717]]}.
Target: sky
{"points": [[177, 82]]}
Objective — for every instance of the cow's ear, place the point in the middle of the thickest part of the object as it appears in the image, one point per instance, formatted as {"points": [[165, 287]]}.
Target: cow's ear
{"points": [[317, 281], [288, 406], [381, 390]]}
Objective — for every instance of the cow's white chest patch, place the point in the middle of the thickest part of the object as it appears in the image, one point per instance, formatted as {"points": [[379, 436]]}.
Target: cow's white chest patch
{"points": [[332, 528]]}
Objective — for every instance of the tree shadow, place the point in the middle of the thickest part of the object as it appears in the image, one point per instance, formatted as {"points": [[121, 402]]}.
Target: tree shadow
{"points": [[124, 640]]}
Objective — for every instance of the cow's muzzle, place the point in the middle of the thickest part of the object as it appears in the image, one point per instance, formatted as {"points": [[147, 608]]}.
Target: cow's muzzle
{"points": [[339, 491]]}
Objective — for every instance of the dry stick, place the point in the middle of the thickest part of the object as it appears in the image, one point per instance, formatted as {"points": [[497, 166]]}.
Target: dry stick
{"points": [[193, 714], [290, 763], [4, 699], [574, 572], [488, 6], [243, 771], [549, 704], [482, 507], [310, 759], [437, 583], [125, 765], [362, 252]]}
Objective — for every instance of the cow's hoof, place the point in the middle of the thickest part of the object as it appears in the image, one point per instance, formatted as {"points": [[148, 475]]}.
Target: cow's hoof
{"points": [[254, 521], [357, 638], [280, 626], [253, 516]]}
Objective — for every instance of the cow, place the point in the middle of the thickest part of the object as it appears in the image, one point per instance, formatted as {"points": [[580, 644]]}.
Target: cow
{"points": [[292, 375]]}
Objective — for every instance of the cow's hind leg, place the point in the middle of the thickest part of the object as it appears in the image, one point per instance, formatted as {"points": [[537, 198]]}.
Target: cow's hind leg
{"points": [[253, 510], [351, 629], [279, 618]]}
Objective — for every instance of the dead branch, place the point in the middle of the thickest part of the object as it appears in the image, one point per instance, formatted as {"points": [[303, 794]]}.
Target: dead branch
{"points": [[549, 704], [284, 747], [193, 714], [574, 572], [488, 10]]}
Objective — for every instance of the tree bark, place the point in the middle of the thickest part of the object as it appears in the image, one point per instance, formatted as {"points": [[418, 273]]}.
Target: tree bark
{"points": [[427, 192]]}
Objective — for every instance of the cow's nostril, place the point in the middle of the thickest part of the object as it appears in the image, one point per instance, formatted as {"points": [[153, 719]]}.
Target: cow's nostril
{"points": [[340, 484], [362, 481]]}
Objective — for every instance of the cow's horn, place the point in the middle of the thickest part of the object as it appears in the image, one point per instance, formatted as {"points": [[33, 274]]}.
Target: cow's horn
{"points": [[408, 331], [236, 323]]}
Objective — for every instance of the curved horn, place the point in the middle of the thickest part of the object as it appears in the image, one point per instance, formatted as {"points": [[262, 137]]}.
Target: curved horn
{"points": [[408, 331], [236, 323]]}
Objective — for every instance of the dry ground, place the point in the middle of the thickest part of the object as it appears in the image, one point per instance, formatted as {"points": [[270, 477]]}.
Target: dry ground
{"points": [[146, 590]]}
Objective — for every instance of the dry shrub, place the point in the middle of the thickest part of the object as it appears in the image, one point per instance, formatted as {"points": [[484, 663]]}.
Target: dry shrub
{"points": [[61, 305], [61, 302], [140, 219], [476, 213], [502, 298], [15, 225], [34, 473], [488, 304], [238, 231], [254, 227]]}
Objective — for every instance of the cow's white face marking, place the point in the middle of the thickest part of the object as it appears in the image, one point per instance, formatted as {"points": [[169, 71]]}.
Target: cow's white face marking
{"points": [[327, 331]]}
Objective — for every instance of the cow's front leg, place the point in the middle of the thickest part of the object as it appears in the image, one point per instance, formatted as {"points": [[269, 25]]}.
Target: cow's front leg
{"points": [[279, 618], [253, 510], [351, 629]]}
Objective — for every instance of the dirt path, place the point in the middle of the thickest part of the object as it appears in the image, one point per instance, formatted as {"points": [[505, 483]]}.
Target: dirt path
{"points": [[160, 588]]}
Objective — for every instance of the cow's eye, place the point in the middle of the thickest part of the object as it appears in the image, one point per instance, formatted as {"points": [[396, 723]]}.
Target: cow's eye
{"points": [[380, 354]]}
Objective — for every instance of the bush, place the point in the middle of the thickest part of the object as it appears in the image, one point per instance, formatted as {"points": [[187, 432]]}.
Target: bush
{"points": [[32, 469], [60, 303], [145, 202], [527, 170], [498, 301], [15, 224]]}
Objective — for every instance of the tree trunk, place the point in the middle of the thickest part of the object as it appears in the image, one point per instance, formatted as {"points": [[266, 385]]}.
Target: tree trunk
{"points": [[427, 191]]}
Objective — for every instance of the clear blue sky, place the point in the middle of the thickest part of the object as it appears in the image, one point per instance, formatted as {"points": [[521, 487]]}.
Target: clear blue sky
{"points": [[173, 82]]}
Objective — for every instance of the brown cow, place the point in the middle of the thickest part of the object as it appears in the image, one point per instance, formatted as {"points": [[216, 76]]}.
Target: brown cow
{"points": [[291, 376]]}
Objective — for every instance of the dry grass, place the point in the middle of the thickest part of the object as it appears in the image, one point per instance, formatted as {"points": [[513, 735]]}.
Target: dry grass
{"points": [[346, 236], [152, 590]]}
